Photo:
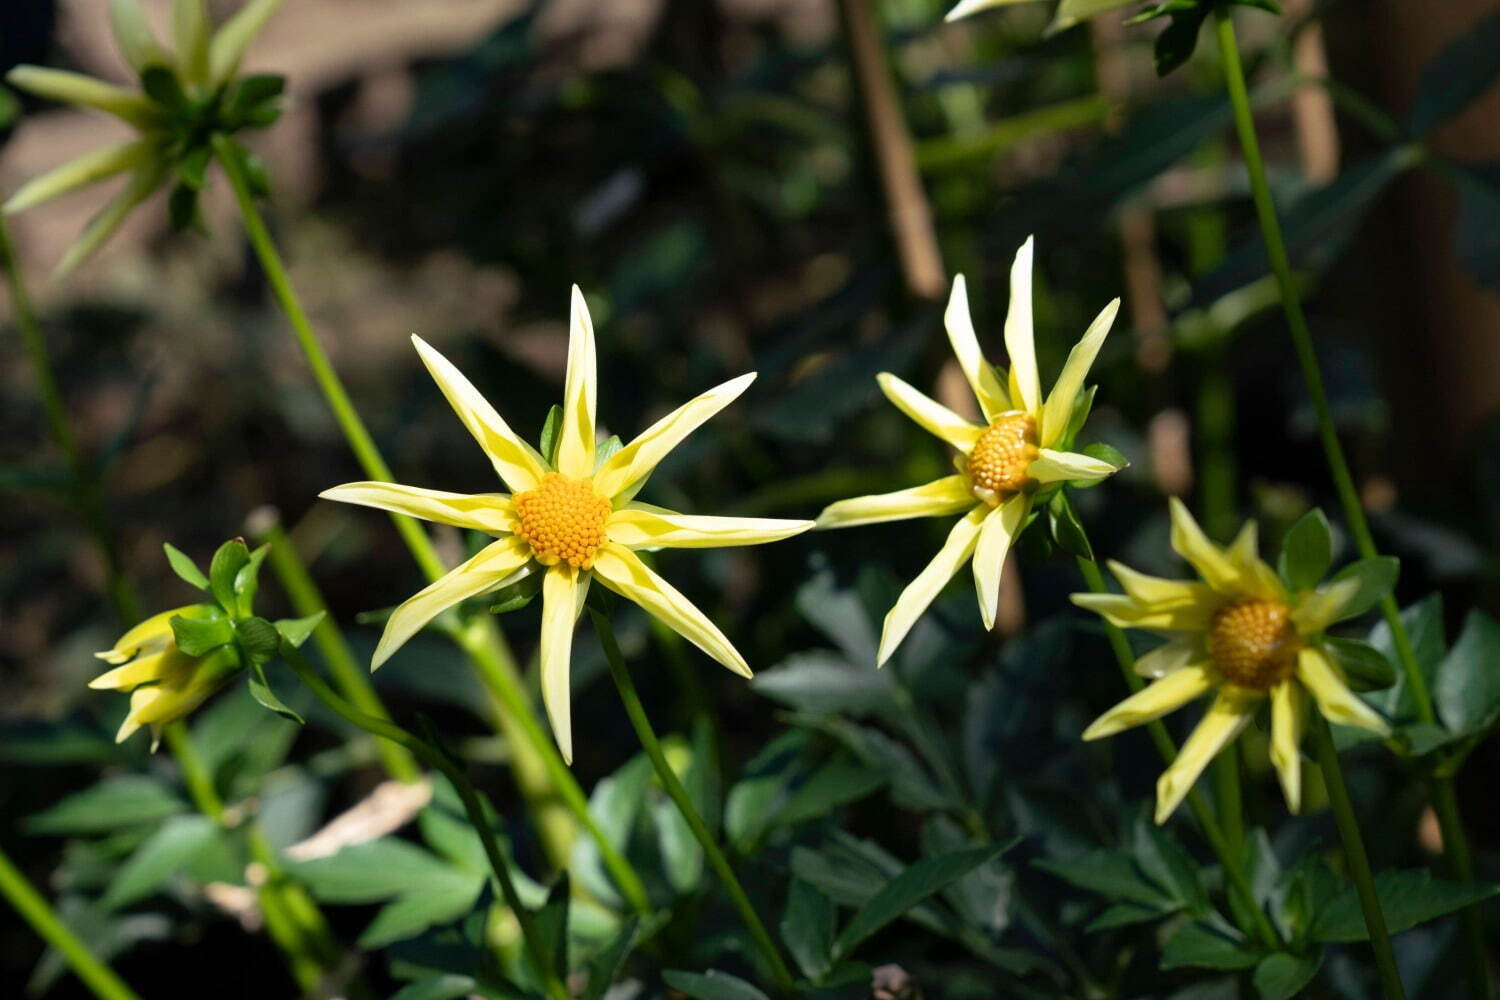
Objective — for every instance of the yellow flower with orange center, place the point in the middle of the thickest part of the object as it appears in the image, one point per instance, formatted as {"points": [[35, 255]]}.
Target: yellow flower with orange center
{"points": [[1002, 463], [571, 516], [1243, 634]]}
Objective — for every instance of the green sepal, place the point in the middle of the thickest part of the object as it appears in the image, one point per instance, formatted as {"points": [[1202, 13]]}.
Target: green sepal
{"points": [[1365, 667], [252, 102], [1376, 576], [260, 690], [199, 636], [1083, 405], [1306, 551], [1104, 453], [185, 568], [517, 595], [192, 167], [297, 630], [550, 427], [163, 87], [223, 568], [606, 449], [259, 640], [247, 580], [1066, 531]]}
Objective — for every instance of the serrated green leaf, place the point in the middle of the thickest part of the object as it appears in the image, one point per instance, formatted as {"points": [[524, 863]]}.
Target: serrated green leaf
{"points": [[807, 929], [185, 568], [200, 636], [260, 690], [1306, 551], [297, 630], [908, 889], [226, 564], [1282, 976], [1407, 898], [712, 985], [174, 846], [1198, 946]]}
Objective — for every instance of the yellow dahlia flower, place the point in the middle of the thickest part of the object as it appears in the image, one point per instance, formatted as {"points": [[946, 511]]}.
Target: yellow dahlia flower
{"points": [[165, 684], [1242, 634], [570, 515], [1002, 464]]}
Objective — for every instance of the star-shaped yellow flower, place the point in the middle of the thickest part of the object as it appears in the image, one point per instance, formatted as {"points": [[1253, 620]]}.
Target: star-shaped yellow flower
{"points": [[1002, 463], [1241, 634], [573, 518]]}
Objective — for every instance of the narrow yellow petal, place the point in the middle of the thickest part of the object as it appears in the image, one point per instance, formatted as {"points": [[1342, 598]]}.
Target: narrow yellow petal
{"points": [[1256, 577], [151, 635], [1171, 656], [622, 571], [190, 37], [575, 438], [627, 468], [1288, 717], [929, 583], [496, 565], [637, 527], [133, 34], [1322, 680], [1123, 611], [515, 461], [102, 226], [1230, 712], [1158, 592], [78, 173], [939, 498], [1320, 608], [488, 512], [930, 415], [559, 614], [1057, 466], [1153, 701], [1020, 341], [1059, 407], [979, 372], [67, 87], [1189, 541], [230, 41], [133, 674], [995, 537]]}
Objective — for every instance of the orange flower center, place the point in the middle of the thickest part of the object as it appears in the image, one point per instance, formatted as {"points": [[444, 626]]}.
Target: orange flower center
{"points": [[562, 520], [997, 465], [1253, 642]]}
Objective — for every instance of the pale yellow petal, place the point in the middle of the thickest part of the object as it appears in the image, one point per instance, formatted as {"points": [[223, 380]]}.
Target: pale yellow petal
{"points": [[930, 582], [1020, 341], [1256, 577], [622, 571], [1288, 717], [488, 512], [87, 169], [494, 566], [1123, 611], [1230, 712], [230, 41], [627, 468], [979, 372], [1153, 701], [151, 635], [515, 461], [995, 537], [637, 527], [1159, 592], [575, 437], [929, 414], [102, 226], [1058, 466], [190, 38], [67, 87], [1059, 407], [1337, 703], [133, 674], [559, 614], [939, 498], [1189, 541], [1171, 656], [1320, 608], [134, 36]]}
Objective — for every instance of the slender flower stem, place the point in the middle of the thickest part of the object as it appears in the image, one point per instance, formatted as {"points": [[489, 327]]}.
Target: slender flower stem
{"points": [[101, 980], [352, 680], [84, 490], [1359, 861], [679, 796], [473, 806], [1229, 858], [1455, 840]]}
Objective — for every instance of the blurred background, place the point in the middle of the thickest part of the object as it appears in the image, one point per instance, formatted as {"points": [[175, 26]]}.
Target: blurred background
{"points": [[787, 186]]}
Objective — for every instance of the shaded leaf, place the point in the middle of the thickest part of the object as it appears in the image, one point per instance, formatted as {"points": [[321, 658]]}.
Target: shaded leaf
{"points": [[1306, 551], [712, 985], [1199, 946], [1282, 976], [128, 800], [1407, 898], [172, 847], [184, 567], [908, 889], [1460, 73], [807, 928]]}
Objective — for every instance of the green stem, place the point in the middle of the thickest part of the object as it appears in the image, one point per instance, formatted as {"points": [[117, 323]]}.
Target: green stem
{"points": [[1359, 861], [1228, 798], [353, 681], [36, 911], [1461, 869], [85, 490], [473, 807], [1229, 858], [1455, 840], [673, 787], [200, 784]]}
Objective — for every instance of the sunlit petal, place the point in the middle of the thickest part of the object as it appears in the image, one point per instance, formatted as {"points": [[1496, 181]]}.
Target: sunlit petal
{"points": [[559, 614], [929, 583], [930, 415], [1159, 592], [1171, 656], [939, 498], [101, 227], [1057, 466], [1256, 578], [1123, 611], [190, 38], [151, 635], [636, 527], [234, 37], [1020, 341], [1288, 717], [67, 87], [81, 172], [1154, 700], [995, 537], [1189, 541], [1059, 407], [575, 438], [1337, 703], [1225, 719], [133, 34], [488, 512], [979, 372]]}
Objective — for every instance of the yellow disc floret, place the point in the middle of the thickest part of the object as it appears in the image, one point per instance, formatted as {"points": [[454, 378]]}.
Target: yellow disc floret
{"points": [[1253, 642], [562, 520], [996, 467]]}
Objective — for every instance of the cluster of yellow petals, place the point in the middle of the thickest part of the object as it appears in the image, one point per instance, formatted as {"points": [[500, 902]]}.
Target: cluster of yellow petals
{"points": [[563, 520], [997, 466], [1253, 643]]}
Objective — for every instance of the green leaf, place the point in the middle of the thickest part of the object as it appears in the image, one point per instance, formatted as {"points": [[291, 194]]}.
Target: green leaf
{"points": [[174, 846], [192, 167], [1407, 898], [200, 636], [297, 630], [1376, 577], [1365, 667], [821, 683], [161, 85], [550, 428], [712, 985], [1066, 531], [908, 889], [517, 595], [260, 690], [1468, 679], [259, 639], [1164, 861], [1461, 72], [378, 870], [830, 786], [1104, 453], [807, 929], [227, 562], [1175, 44], [1282, 976], [1126, 915], [184, 567], [1199, 946], [605, 966], [129, 800], [449, 986], [415, 912], [1306, 551], [1112, 874], [1424, 622]]}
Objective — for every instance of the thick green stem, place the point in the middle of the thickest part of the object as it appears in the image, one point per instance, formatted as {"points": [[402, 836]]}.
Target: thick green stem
{"points": [[101, 980], [1461, 869], [1455, 840], [673, 787], [352, 680], [85, 490], [1359, 861], [1229, 858], [473, 807]]}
